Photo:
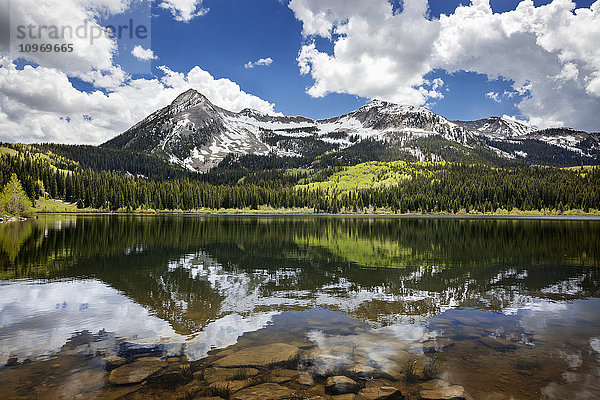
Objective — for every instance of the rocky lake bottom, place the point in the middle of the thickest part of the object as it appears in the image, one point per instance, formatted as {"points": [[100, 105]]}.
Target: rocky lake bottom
{"points": [[321, 354]]}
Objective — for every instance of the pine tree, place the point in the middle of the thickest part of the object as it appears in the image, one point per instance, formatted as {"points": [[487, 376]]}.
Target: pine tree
{"points": [[13, 199]]}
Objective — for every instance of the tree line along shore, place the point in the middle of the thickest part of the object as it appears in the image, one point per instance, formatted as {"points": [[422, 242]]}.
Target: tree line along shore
{"points": [[35, 179]]}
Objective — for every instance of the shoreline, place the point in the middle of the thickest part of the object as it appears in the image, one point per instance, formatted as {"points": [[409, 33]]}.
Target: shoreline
{"points": [[531, 216]]}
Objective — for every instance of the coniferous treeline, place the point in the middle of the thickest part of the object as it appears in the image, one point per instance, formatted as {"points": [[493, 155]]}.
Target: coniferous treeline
{"points": [[539, 152], [253, 162], [432, 187], [455, 187], [70, 157]]}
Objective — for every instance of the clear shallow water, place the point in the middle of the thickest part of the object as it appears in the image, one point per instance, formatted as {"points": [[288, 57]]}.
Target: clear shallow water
{"points": [[378, 289]]}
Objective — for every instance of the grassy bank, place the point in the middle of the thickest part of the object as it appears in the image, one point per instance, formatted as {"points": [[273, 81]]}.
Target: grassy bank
{"points": [[50, 206]]}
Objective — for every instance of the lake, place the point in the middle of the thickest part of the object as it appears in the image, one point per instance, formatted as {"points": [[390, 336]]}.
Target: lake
{"points": [[185, 306]]}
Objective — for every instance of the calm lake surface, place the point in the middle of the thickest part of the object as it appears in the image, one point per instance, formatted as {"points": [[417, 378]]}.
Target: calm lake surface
{"points": [[506, 308]]}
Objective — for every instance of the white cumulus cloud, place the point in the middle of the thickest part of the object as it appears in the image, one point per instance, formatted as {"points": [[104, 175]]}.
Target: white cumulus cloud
{"points": [[34, 99], [377, 53], [184, 10], [494, 96], [549, 53], [76, 22], [38, 103], [143, 54], [260, 62]]}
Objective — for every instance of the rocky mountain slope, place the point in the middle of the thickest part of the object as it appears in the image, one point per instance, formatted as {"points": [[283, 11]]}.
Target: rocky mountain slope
{"points": [[194, 133], [497, 127]]}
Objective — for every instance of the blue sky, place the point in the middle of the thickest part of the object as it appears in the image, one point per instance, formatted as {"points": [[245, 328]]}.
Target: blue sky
{"points": [[234, 32], [537, 61]]}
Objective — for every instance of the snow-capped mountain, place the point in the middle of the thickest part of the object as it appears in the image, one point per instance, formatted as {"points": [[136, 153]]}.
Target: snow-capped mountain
{"points": [[197, 135], [498, 127], [587, 144], [515, 139], [380, 119]]}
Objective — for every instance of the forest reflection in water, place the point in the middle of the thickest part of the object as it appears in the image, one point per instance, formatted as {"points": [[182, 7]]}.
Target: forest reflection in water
{"points": [[211, 282]]}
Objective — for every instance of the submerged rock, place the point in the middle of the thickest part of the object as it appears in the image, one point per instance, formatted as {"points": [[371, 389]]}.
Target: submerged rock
{"points": [[439, 389], [466, 321], [431, 346], [12, 361], [364, 371], [112, 362], [127, 349], [266, 391], [379, 393], [316, 390], [306, 379], [282, 375], [259, 356], [498, 343], [208, 398], [231, 386], [212, 375], [347, 396], [137, 371], [340, 385], [174, 374]]}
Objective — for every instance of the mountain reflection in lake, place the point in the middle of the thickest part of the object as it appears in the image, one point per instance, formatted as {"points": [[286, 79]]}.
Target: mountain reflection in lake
{"points": [[506, 308]]}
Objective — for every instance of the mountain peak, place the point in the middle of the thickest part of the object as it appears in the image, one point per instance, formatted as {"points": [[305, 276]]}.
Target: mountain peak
{"points": [[498, 127], [251, 112], [387, 107], [377, 103], [189, 97]]}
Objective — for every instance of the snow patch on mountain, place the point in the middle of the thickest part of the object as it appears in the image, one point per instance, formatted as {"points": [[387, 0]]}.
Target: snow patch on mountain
{"points": [[253, 132], [504, 127], [194, 133]]}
